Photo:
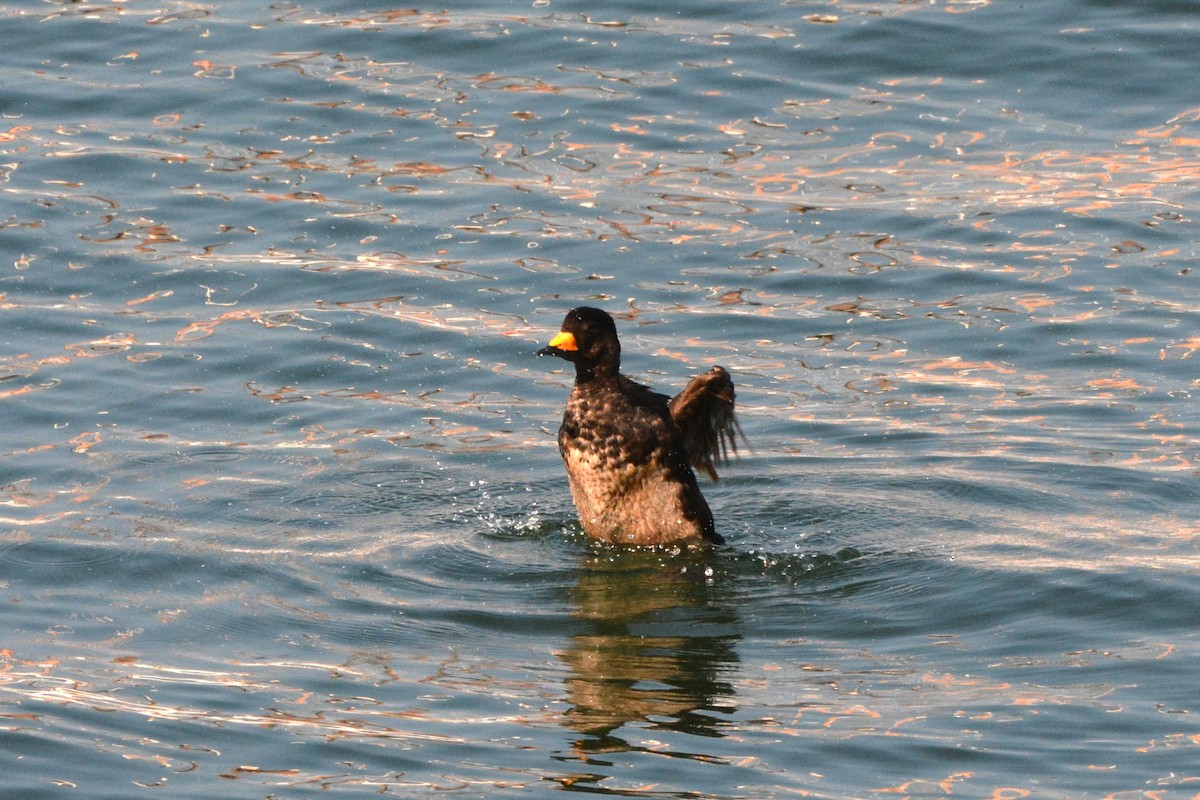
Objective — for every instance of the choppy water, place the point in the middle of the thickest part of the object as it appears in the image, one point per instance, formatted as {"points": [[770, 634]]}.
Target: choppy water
{"points": [[280, 506]]}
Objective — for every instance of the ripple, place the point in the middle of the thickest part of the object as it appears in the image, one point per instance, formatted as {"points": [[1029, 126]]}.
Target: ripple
{"points": [[348, 501], [51, 554], [214, 454], [396, 489], [11, 371]]}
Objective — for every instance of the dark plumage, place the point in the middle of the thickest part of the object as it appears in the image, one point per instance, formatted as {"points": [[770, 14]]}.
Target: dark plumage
{"points": [[629, 451]]}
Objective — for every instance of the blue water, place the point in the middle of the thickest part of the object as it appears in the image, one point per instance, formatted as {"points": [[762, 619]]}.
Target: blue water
{"points": [[281, 510]]}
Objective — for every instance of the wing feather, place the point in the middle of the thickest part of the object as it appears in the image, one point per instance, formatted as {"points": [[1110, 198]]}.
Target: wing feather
{"points": [[704, 413]]}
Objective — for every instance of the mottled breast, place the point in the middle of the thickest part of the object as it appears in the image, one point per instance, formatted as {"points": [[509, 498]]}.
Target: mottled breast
{"points": [[628, 473]]}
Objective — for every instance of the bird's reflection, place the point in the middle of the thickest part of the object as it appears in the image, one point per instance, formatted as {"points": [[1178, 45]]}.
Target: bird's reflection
{"points": [[658, 649]]}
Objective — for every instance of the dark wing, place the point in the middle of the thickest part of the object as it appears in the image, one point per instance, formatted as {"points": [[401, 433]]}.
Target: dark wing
{"points": [[704, 413]]}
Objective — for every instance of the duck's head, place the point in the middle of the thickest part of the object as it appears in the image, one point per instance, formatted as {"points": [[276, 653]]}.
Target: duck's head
{"points": [[588, 340]]}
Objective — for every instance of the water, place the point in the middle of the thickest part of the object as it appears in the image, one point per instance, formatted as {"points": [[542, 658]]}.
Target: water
{"points": [[280, 507]]}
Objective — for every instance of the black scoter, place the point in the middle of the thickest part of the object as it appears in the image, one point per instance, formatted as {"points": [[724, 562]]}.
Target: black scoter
{"points": [[630, 451]]}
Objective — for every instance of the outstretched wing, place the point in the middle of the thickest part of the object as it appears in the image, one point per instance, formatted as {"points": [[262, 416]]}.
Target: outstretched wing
{"points": [[704, 413]]}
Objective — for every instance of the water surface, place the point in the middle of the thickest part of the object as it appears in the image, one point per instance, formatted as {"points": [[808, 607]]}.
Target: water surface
{"points": [[281, 511]]}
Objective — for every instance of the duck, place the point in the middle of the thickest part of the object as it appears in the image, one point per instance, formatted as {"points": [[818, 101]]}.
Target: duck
{"points": [[631, 453]]}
